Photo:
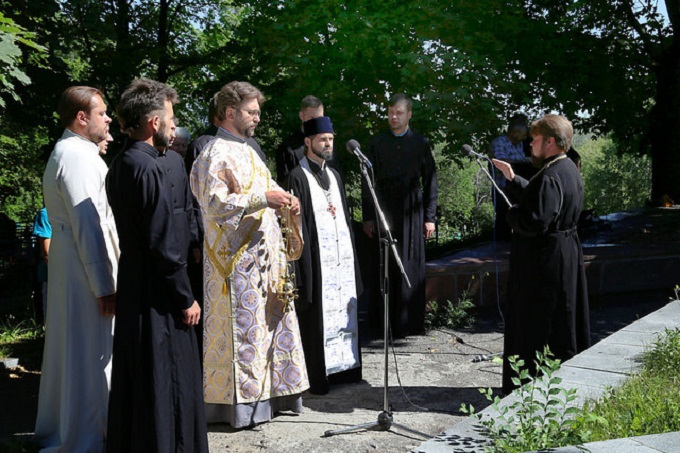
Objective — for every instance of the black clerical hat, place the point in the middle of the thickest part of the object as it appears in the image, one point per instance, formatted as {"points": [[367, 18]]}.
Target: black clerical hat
{"points": [[321, 125]]}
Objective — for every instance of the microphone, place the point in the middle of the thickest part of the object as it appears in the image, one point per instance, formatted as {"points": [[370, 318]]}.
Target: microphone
{"points": [[467, 150], [354, 148]]}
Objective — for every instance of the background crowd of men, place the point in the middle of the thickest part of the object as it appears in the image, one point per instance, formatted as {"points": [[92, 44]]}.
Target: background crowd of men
{"points": [[192, 251]]}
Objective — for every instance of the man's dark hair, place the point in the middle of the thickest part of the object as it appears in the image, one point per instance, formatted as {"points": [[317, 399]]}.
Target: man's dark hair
{"points": [[233, 94], [142, 99], [555, 126], [73, 100], [399, 98], [310, 101], [518, 121]]}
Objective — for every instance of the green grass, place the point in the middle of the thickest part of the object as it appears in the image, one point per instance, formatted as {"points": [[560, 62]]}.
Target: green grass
{"points": [[544, 417], [13, 333], [647, 403]]}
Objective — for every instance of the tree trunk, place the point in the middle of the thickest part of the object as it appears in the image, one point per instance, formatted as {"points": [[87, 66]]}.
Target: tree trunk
{"points": [[665, 123], [163, 57], [119, 65]]}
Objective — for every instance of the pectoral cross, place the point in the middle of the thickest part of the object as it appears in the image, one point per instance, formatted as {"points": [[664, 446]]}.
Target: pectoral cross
{"points": [[331, 208]]}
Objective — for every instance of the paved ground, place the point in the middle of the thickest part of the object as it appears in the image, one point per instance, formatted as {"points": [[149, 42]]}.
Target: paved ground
{"points": [[436, 373]]}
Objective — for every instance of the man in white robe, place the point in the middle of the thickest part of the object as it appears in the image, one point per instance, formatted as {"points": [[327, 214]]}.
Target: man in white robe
{"points": [[252, 354], [76, 368]]}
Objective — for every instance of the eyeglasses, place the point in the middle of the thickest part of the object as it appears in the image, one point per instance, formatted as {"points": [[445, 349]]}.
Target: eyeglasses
{"points": [[253, 113]]}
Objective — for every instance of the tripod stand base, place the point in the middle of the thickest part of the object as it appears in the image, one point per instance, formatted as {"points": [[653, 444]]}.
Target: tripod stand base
{"points": [[384, 423]]}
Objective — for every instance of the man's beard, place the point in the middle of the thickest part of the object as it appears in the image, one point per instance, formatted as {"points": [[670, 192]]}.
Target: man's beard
{"points": [[243, 127], [97, 136], [248, 132], [325, 154], [161, 139]]}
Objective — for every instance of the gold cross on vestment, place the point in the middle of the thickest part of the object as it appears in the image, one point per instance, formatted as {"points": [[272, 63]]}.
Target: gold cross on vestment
{"points": [[223, 253]]}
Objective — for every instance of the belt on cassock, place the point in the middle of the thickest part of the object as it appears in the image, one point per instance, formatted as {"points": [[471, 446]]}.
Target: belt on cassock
{"points": [[566, 233]]}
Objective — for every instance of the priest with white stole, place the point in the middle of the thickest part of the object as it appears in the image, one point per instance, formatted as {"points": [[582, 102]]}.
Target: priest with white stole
{"points": [[327, 273]]}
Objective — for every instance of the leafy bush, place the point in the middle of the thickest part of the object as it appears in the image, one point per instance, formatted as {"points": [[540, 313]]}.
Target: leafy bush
{"points": [[465, 205], [544, 415], [540, 418], [21, 169], [13, 330], [614, 182], [453, 315]]}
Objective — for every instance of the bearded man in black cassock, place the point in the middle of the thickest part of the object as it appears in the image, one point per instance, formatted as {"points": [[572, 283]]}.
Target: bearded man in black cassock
{"points": [[293, 148], [547, 294], [156, 402], [406, 185], [327, 272]]}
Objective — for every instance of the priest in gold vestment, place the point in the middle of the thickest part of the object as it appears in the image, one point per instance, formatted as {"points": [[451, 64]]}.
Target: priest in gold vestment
{"points": [[253, 360]]}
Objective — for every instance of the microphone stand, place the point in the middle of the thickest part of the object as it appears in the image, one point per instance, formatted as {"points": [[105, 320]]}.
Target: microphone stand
{"points": [[478, 159], [385, 419]]}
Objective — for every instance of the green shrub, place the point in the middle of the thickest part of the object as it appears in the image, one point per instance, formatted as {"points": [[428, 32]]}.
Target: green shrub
{"points": [[614, 182], [541, 417], [453, 315], [13, 331]]}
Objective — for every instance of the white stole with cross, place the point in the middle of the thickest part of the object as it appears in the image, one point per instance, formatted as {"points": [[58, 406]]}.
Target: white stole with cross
{"points": [[341, 330]]}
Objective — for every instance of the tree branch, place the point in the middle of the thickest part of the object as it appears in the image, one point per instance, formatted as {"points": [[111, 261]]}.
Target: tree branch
{"points": [[647, 42]]}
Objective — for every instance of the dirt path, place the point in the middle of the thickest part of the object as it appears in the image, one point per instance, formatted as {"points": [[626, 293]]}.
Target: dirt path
{"points": [[436, 374]]}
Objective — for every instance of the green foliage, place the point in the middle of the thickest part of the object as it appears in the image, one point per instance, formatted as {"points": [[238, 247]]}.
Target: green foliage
{"points": [[647, 403], [664, 358], [11, 57], [541, 417], [453, 315], [544, 414], [614, 182], [19, 181], [465, 207], [13, 330], [21, 169], [468, 65]]}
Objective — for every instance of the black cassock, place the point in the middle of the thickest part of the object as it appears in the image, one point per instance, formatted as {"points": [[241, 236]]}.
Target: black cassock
{"points": [[406, 185], [308, 278], [288, 155], [547, 294], [156, 400]]}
